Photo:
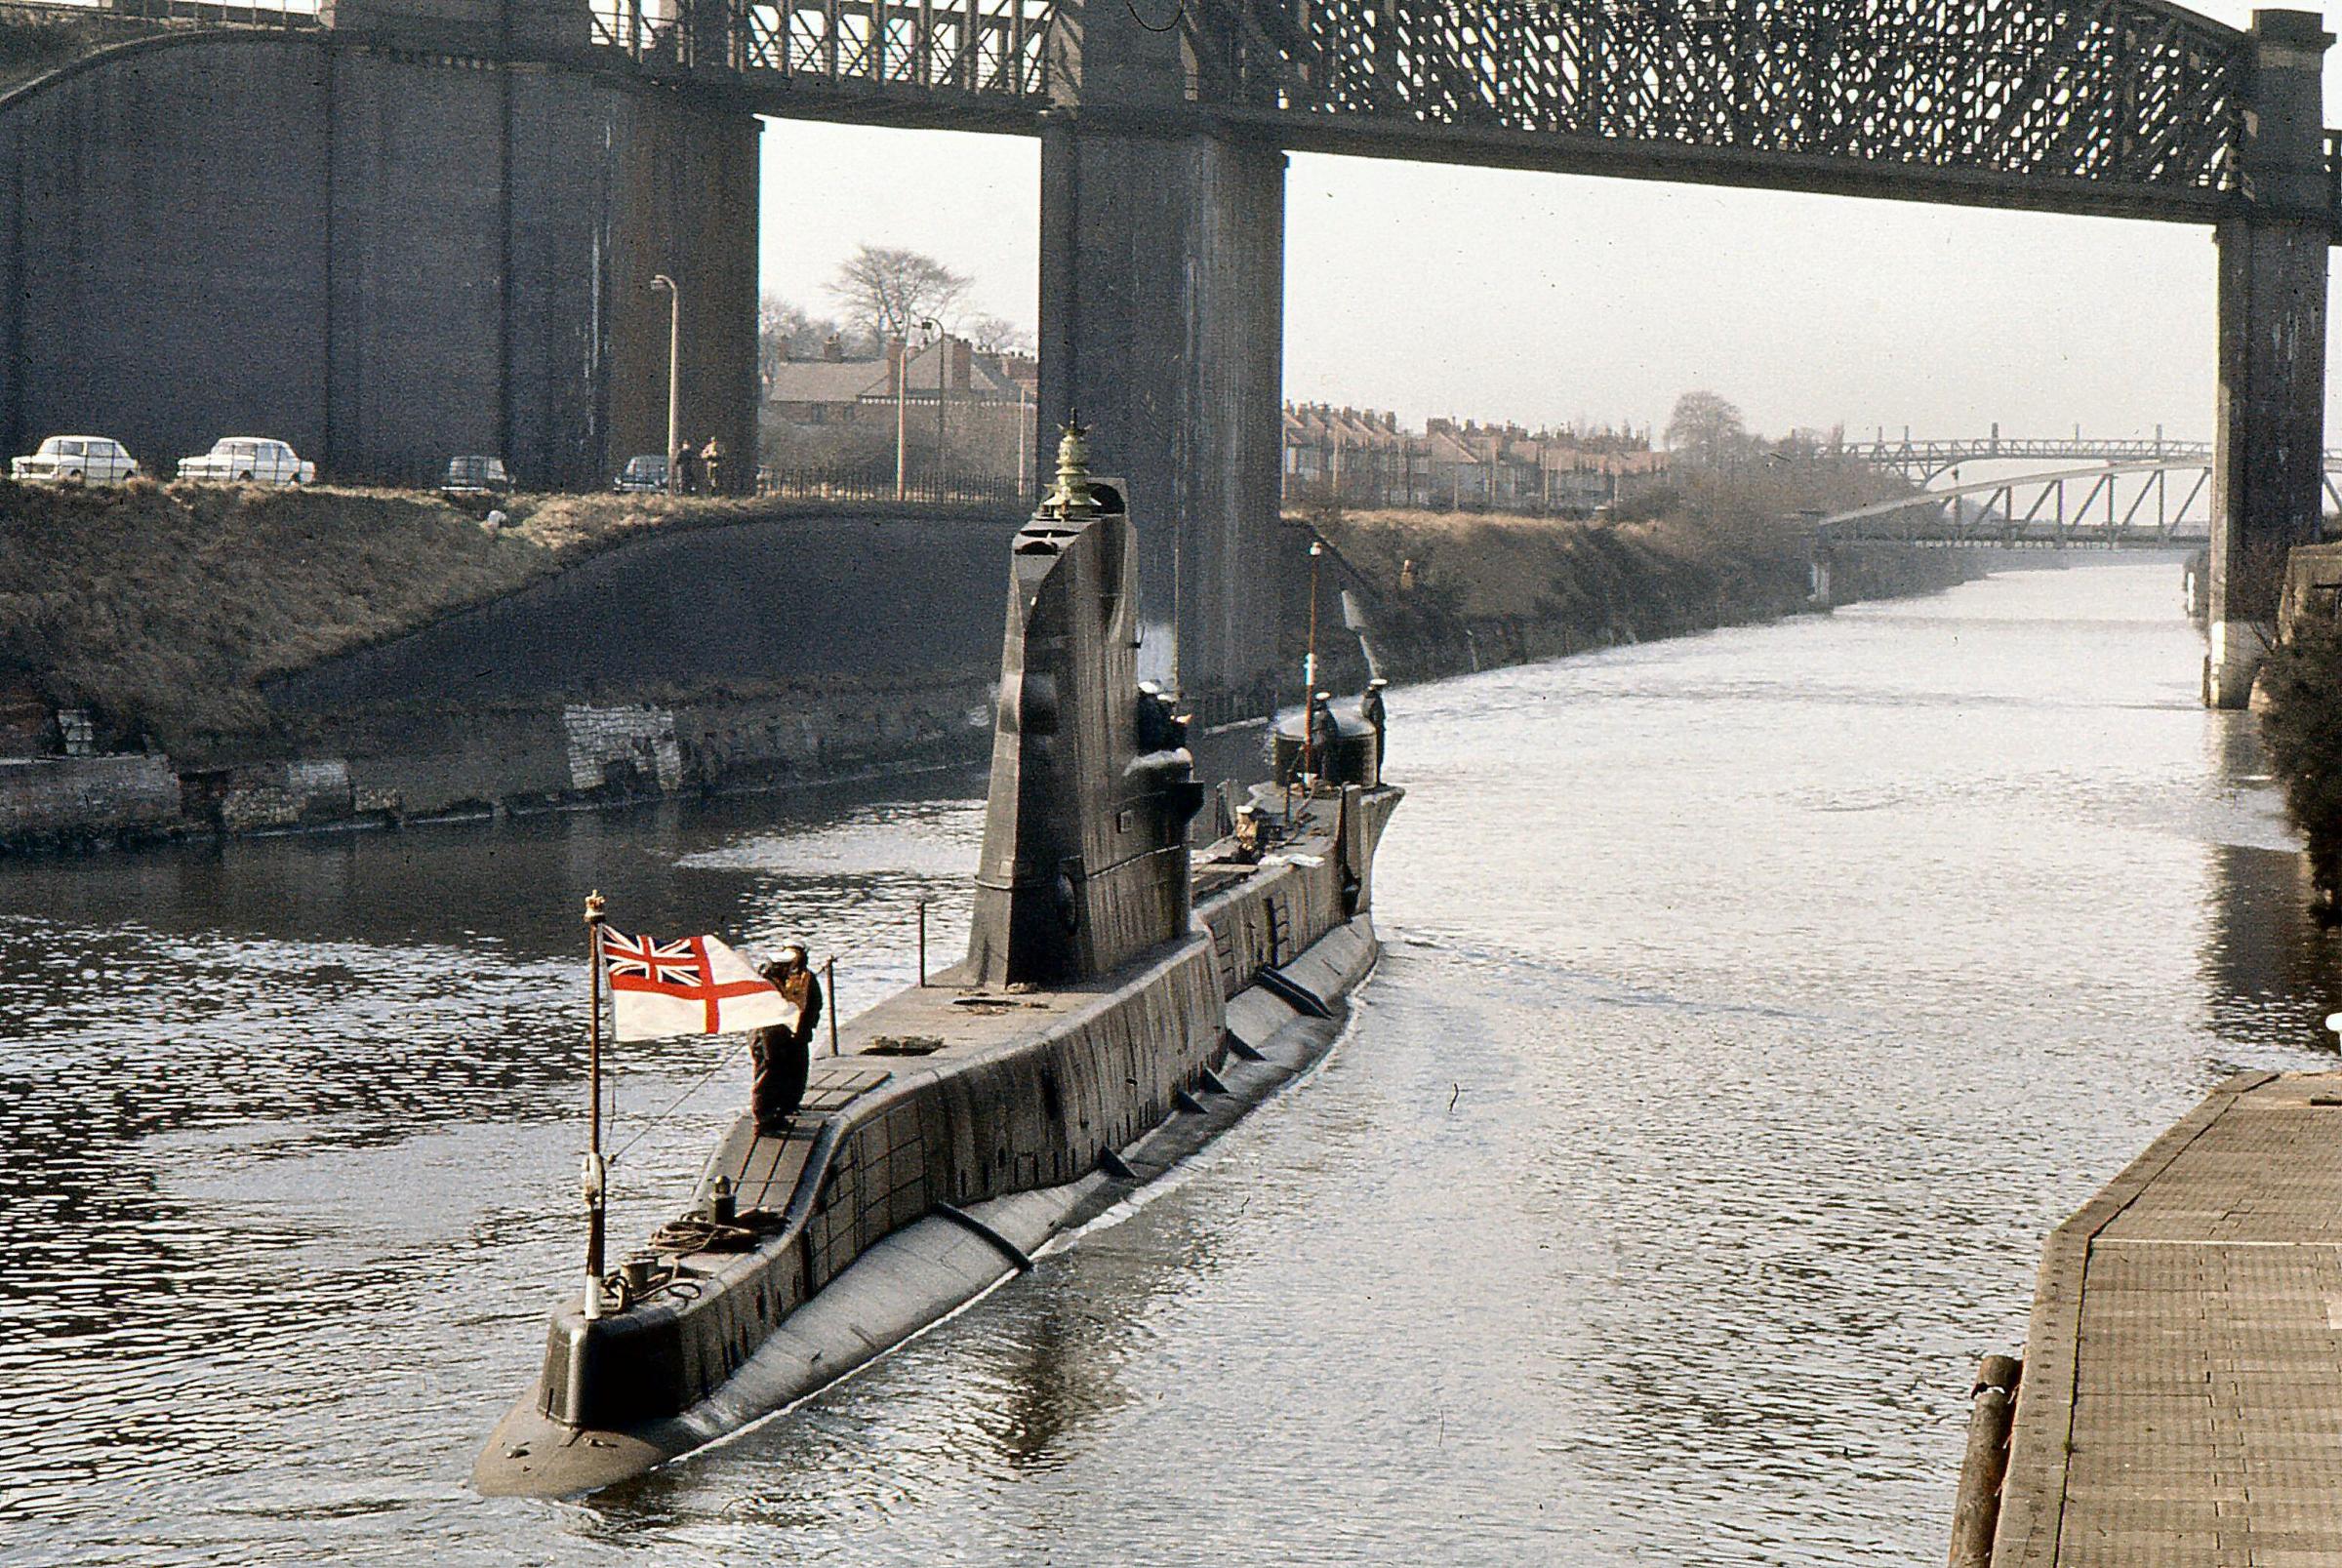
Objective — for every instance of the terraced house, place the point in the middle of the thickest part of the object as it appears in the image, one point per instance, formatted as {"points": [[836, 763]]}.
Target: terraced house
{"points": [[1365, 458]]}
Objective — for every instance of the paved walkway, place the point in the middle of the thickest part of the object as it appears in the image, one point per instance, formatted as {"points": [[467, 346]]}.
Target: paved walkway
{"points": [[2182, 1395]]}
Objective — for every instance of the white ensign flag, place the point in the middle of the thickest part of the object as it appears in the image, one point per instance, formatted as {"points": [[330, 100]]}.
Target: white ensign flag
{"points": [[697, 985]]}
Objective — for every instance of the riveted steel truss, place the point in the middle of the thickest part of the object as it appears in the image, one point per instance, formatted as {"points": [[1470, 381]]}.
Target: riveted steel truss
{"points": [[967, 50], [2126, 93], [2129, 106]]}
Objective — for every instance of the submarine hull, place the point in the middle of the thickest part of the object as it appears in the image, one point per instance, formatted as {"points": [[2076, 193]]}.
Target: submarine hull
{"points": [[925, 1272], [1124, 998]]}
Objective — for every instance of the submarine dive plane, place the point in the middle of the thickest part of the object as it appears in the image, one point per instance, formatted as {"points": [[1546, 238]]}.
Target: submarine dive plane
{"points": [[1124, 1000]]}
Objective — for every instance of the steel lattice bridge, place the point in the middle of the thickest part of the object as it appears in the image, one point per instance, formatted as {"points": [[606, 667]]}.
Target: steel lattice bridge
{"points": [[2126, 107], [2094, 492]]}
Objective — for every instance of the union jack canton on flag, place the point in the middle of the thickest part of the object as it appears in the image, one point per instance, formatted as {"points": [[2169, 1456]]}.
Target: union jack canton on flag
{"points": [[696, 986]]}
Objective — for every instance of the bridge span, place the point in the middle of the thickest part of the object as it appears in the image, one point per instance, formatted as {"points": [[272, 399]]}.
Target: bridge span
{"points": [[1984, 512], [2068, 503], [429, 224]]}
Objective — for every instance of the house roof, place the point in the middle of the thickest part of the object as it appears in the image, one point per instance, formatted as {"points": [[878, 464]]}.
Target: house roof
{"points": [[853, 380], [824, 380]]}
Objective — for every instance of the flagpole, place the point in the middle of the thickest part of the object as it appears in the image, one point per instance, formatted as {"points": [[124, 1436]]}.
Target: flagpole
{"points": [[596, 1172]]}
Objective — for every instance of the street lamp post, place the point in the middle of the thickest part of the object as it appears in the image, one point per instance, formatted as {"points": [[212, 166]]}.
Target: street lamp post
{"points": [[903, 411], [1025, 440], [942, 369], [674, 377]]}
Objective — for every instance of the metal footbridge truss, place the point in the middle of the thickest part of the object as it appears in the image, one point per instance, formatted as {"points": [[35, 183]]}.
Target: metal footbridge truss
{"points": [[1921, 460], [2115, 107], [2079, 495], [2058, 507]]}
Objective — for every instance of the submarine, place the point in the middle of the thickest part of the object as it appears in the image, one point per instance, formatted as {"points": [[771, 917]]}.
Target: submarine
{"points": [[1126, 996]]}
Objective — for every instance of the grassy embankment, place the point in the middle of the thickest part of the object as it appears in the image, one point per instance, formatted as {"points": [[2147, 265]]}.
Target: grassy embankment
{"points": [[1711, 549], [163, 607]]}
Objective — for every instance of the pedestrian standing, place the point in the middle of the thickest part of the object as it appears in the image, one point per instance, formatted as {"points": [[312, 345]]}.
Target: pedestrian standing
{"points": [[712, 455]]}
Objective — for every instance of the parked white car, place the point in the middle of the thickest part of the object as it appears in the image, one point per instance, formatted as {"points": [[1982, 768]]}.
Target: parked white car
{"points": [[76, 459], [248, 460]]}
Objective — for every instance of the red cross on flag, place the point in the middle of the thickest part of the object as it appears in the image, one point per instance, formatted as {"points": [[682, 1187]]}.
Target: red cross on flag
{"points": [[697, 985]]}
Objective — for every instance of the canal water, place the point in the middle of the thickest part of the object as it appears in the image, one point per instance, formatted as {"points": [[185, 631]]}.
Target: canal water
{"points": [[1754, 1003]]}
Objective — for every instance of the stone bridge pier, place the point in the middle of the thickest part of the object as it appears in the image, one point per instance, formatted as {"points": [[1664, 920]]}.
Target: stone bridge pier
{"points": [[2268, 450], [425, 227], [1162, 325]]}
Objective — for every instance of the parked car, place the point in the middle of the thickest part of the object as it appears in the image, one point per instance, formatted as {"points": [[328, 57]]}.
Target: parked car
{"points": [[76, 459], [644, 472], [471, 478], [248, 460]]}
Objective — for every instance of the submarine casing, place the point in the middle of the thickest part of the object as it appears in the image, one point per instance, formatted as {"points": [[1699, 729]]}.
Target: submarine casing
{"points": [[1120, 999]]}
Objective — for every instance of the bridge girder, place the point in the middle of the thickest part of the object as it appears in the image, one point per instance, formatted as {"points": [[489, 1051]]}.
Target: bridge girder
{"points": [[2117, 107]]}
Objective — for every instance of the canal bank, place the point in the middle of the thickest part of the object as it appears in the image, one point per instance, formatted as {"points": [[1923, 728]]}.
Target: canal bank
{"points": [[1452, 592], [192, 660], [1753, 1004], [199, 661]]}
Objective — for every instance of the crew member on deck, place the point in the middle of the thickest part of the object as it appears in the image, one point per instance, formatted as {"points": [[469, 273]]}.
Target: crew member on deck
{"points": [[1325, 734], [1370, 708], [1248, 836], [783, 1056]]}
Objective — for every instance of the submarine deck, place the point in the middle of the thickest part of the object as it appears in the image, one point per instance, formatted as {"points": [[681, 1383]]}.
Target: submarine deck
{"points": [[2181, 1401], [947, 1018]]}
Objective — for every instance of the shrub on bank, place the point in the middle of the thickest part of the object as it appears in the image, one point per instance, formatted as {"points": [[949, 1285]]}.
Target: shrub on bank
{"points": [[2301, 731], [1708, 547]]}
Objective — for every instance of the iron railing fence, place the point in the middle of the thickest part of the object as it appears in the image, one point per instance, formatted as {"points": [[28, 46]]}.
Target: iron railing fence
{"points": [[868, 485], [284, 13]]}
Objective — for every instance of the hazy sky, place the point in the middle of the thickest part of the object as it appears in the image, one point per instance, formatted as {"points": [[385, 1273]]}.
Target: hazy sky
{"points": [[1534, 297]]}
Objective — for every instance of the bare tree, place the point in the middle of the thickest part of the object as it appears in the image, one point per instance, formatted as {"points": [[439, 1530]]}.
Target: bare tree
{"points": [[1706, 430], [997, 335], [885, 292], [787, 329]]}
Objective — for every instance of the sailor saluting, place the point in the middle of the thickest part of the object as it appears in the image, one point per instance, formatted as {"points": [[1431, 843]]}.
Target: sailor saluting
{"points": [[782, 1053]]}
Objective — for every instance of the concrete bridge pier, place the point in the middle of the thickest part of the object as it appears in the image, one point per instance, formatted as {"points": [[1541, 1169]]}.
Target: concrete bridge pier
{"points": [[1162, 324], [387, 240], [2269, 432]]}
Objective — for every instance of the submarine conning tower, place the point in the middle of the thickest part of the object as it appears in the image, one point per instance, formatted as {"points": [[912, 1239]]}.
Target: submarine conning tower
{"points": [[1085, 831]]}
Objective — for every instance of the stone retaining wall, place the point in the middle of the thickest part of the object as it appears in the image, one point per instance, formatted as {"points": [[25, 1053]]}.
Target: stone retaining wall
{"points": [[61, 799]]}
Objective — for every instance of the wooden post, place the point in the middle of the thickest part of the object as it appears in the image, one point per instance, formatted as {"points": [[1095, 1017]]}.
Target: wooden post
{"points": [[829, 984], [922, 943], [1976, 1507]]}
